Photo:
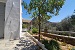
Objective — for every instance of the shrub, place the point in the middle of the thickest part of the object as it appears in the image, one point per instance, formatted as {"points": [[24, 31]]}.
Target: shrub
{"points": [[34, 30], [73, 49], [51, 45], [24, 25]]}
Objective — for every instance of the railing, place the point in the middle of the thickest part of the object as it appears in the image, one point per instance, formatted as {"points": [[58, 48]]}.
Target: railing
{"points": [[37, 42]]}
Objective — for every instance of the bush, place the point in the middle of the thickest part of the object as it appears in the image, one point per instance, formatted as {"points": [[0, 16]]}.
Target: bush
{"points": [[24, 25], [51, 45], [73, 49], [34, 30], [54, 45]]}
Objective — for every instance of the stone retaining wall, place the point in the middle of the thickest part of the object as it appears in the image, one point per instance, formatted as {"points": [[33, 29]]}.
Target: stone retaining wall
{"points": [[69, 40]]}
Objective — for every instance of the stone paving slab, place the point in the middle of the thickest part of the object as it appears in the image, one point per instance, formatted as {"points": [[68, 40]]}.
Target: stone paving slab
{"points": [[7, 45], [24, 43]]}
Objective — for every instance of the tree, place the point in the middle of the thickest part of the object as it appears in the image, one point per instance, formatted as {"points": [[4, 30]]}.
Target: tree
{"points": [[66, 24], [59, 27], [73, 18], [43, 9]]}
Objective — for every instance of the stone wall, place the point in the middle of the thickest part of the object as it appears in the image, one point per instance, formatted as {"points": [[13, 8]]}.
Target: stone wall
{"points": [[2, 16], [66, 39], [12, 19]]}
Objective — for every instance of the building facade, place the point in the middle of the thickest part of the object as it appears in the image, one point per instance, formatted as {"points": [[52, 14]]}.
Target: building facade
{"points": [[10, 19]]}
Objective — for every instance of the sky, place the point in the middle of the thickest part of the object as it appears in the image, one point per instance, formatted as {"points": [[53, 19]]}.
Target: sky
{"points": [[67, 10]]}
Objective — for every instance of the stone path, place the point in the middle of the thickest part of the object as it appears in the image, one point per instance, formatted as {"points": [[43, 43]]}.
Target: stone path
{"points": [[7, 45], [25, 43]]}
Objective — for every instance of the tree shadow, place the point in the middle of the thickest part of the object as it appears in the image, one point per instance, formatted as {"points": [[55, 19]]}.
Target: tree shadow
{"points": [[27, 45], [32, 47]]}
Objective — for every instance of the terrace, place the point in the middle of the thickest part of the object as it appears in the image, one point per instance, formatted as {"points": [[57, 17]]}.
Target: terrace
{"points": [[12, 37]]}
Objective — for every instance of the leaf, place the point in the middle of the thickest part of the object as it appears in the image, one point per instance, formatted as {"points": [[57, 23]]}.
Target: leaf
{"points": [[24, 4]]}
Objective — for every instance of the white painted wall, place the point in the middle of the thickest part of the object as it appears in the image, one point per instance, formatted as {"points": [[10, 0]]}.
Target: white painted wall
{"points": [[13, 19]]}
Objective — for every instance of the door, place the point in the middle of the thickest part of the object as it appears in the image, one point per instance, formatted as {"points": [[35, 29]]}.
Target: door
{"points": [[2, 17]]}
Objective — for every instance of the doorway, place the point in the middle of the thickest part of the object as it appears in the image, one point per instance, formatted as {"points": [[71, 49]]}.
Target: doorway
{"points": [[2, 19]]}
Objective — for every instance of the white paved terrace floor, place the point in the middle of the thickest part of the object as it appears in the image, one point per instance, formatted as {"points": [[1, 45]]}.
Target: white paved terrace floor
{"points": [[24, 43]]}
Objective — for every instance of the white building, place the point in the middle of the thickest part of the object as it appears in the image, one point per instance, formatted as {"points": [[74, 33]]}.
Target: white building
{"points": [[10, 19]]}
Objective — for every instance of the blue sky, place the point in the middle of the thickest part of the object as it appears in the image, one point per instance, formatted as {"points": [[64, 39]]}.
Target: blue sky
{"points": [[67, 10]]}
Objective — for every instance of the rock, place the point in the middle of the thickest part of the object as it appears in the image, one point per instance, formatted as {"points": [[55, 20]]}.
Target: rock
{"points": [[16, 48]]}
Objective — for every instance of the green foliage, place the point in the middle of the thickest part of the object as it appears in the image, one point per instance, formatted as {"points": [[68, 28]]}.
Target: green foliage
{"points": [[34, 30], [23, 26], [73, 49], [67, 24], [43, 9], [45, 41], [73, 19], [59, 27], [46, 7], [54, 45], [51, 45]]}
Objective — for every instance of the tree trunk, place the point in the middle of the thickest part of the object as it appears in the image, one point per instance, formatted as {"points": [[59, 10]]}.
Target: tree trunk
{"points": [[39, 24]]}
